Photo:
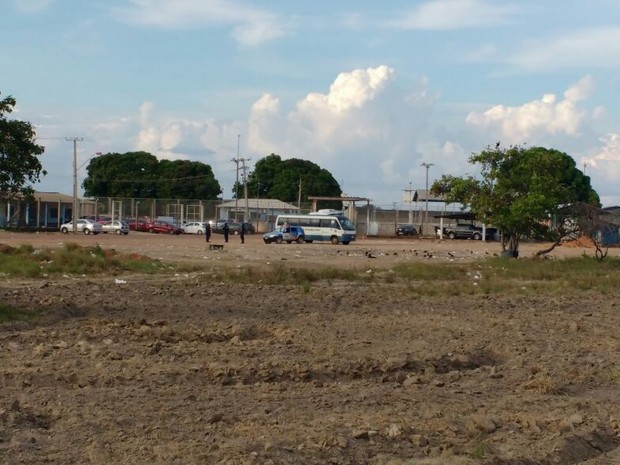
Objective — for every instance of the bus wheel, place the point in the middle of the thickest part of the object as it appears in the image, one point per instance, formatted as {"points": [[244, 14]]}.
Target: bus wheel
{"points": [[334, 240], [278, 240]]}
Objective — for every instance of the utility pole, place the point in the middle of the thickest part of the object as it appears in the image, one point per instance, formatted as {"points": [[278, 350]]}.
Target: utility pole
{"points": [[74, 215], [245, 187], [410, 200], [242, 161], [299, 194], [427, 166], [236, 161]]}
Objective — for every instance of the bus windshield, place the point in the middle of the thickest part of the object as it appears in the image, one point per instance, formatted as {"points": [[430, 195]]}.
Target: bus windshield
{"points": [[346, 223]]}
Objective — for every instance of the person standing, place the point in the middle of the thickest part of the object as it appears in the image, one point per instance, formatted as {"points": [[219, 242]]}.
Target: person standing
{"points": [[207, 231], [225, 229], [242, 233]]}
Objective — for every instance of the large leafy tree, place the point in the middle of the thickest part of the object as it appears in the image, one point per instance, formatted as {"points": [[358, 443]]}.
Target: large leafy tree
{"points": [[141, 175], [192, 180], [281, 179], [19, 154], [525, 192]]}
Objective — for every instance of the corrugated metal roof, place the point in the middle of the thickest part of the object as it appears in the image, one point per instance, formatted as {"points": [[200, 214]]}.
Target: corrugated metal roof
{"points": [[259, 204], [53, 197]]}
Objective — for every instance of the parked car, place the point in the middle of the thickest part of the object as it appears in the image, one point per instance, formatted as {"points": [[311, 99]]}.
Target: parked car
{"points": [[162, 227], [217, 226], [466, 231], [288, 234], [116, 227], [406, 230], [136, 224], [83, 225], [98, 218], [195, 227], [249, 228]]}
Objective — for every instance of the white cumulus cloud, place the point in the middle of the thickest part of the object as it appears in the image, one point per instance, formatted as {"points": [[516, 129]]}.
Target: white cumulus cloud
{"points": [[608, 156], [364, 128], [549, 115]]}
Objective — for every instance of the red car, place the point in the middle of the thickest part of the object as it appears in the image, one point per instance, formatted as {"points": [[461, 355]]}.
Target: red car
{"points": [[162, 227], [137, 225]]}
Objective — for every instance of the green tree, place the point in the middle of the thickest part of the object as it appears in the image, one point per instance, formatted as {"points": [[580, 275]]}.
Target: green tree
{"points": [[188, 180], [280, 179], [19, 154], [141, 175], [525, 192], [132, 174]]}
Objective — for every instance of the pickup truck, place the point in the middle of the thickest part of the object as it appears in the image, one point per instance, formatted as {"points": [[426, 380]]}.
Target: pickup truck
{"points": [[465, 231]]}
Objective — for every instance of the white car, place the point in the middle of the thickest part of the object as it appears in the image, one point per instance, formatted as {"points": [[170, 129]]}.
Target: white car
{"points": [[195, 227], [83, 225], [117, 227]]}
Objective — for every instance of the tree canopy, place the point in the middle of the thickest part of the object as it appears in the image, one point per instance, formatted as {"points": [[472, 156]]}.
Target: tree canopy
{"points": [[280, 179], [141, 175], [19, 154], [525, 192]]}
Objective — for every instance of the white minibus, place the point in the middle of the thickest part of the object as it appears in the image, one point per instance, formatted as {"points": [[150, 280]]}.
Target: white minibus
{"points": [[335, 228]]}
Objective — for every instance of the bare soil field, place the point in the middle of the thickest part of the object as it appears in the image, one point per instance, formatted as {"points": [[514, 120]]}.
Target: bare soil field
{"points": [[183, 369]]}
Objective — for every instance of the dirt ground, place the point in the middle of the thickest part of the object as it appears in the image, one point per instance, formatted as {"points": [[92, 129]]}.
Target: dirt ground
{"points": [[185, 370]]}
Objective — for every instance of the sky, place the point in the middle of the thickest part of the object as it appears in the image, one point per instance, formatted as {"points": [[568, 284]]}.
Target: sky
{"points": [[367, 90]]}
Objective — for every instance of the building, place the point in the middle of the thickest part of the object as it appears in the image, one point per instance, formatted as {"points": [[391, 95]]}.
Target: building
{"points": [[262, 213], [49, 210]]}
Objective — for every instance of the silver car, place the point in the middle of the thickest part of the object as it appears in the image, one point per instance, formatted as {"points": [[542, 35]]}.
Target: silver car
{"points": [[83, 225], [195, 227], [117, 227]]}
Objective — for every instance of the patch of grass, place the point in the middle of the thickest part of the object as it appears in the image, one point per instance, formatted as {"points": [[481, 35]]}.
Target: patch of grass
{"points": [[613, 375], [73, 259], [9, 313], [479, 451], [281, 274], [503, 276]]}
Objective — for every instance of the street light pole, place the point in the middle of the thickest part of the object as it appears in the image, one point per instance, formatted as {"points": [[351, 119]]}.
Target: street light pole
{"points": [[410, 204], [74, 215], [427, 166]]}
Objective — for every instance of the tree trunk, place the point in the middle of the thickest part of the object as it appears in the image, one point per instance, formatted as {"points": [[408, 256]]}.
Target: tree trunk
{"points": [[548, 249]]}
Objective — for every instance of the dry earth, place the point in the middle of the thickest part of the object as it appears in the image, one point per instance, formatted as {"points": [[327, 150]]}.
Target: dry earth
{"points": [[185, 370]]}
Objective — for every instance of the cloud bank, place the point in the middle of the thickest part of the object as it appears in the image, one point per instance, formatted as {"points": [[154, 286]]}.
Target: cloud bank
{"points": [[370, 132]]}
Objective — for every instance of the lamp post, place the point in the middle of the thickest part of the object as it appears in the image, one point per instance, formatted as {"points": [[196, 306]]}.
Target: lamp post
{"points": [[410, 204], [427, 166]]}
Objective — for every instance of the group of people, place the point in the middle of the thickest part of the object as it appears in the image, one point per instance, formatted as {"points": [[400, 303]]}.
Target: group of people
{"points": [[225, 230]]}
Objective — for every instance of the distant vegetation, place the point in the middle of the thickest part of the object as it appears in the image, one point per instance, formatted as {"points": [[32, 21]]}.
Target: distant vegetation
{"points": [[27, 262], [490, 276]]}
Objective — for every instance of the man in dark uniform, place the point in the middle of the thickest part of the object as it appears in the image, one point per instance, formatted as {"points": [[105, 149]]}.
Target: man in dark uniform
{"points": [[225, 229], [242, 233], [207, 231]]}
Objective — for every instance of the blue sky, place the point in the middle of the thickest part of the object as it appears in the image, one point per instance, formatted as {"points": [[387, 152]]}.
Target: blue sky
{"points": [[368, 90]]}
